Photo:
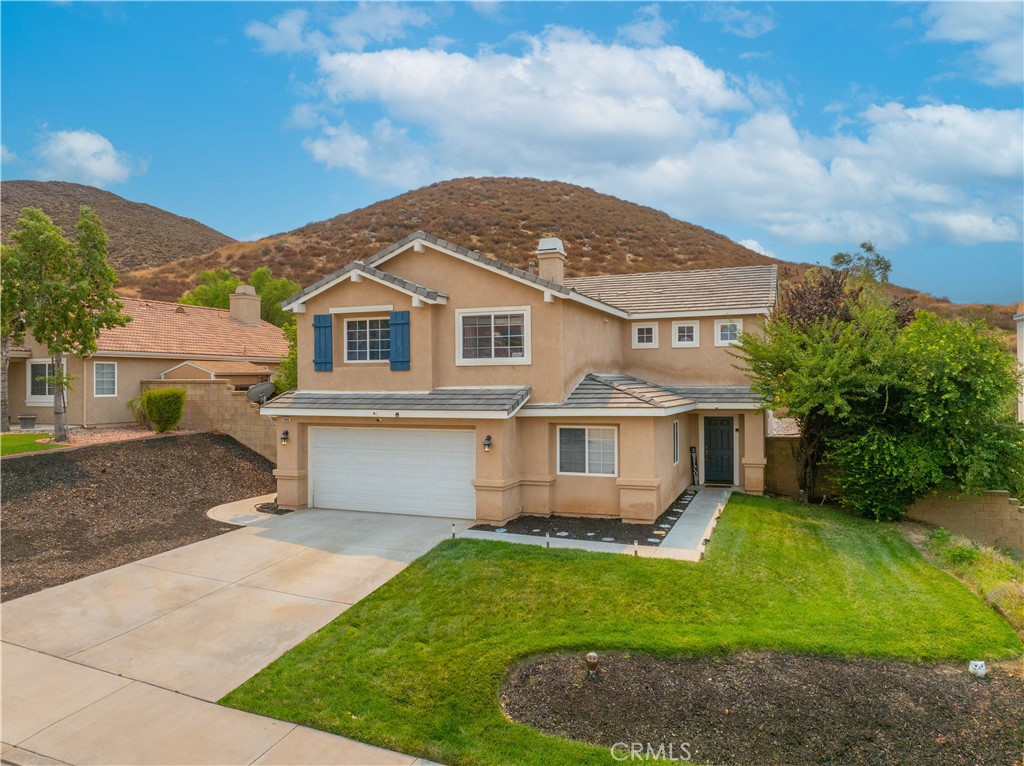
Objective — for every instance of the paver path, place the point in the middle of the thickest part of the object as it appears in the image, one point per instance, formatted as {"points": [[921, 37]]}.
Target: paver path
{"points": [[123, 667]]}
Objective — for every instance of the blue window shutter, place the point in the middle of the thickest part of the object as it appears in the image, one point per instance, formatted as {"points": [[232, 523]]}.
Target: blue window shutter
{"points": [[399, 340], [323, 343]]}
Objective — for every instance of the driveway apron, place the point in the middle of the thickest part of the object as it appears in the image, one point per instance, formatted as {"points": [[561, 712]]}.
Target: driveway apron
{"points": [[122, 667]]}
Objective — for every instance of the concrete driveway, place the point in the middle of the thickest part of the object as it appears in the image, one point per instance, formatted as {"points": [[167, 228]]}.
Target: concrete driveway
{"points": [[122, 667]]}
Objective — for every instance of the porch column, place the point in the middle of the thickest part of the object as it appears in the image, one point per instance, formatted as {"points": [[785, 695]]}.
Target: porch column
{"points": [[754, 461]]}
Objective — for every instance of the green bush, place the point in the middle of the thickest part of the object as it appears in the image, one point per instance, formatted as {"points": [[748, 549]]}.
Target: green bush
{"points": [[961, 554], [164, 407]]}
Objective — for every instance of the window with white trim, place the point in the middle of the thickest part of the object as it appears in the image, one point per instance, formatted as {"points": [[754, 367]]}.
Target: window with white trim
{"points": [[39, 391], [587, 450], [104, 379], [727, 331], [495, 336], [675, 442], [685, 334], [367, 340], [645, 335]]}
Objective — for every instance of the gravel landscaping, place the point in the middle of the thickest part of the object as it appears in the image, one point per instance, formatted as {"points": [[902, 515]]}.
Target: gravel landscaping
{"points": [[69, 514], [597, 529], [777, 708]]}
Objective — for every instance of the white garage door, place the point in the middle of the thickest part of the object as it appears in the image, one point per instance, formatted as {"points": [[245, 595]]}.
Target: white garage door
{"points": [[393, 470]]}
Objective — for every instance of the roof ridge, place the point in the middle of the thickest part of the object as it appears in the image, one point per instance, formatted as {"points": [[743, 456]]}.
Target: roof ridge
{"points": [[642, 397], [676, 271]]}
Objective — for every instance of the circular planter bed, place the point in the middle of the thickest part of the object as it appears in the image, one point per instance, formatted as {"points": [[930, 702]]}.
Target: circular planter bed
{"points": [[774, 708]]}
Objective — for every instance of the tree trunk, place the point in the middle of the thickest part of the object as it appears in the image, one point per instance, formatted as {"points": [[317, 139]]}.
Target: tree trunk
{"points": [[60, 420], [5, 361]]}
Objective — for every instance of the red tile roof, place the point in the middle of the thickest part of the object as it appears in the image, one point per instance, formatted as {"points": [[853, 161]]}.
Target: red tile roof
{"points": [[190, 331]]}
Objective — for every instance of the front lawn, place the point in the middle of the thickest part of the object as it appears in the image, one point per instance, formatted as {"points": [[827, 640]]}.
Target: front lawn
{"points": [[15, 444], [418, 666]]}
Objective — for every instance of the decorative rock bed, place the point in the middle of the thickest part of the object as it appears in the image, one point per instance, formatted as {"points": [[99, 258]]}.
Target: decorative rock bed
{"points": [[597, 529]]}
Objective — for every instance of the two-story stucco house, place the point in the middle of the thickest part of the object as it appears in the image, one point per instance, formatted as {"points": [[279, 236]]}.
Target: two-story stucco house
{"points": [[433, 380]]}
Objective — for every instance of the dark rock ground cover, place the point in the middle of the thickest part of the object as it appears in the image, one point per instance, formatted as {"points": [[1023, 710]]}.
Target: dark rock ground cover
{"points": [[597, 529], [69, 514], [777, 708]]}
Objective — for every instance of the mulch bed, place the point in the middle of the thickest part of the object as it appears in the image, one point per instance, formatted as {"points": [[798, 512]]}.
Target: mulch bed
{"points": [[66, 515], [595, 529], [777, 708]]}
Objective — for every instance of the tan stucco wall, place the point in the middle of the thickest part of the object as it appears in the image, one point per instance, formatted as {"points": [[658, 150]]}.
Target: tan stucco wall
{"points": [[568, 339], [520, 473], [706, 365], [432, 331]]}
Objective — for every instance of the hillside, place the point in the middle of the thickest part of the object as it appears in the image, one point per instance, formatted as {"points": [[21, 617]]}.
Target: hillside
{"points": [[141, 236], [502, 218]]}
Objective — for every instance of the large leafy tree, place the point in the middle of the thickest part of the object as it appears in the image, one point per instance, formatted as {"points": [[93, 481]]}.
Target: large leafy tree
{"points": [[215, 289], [12, 324], [900, 408], [286, 377], [66, 293]]}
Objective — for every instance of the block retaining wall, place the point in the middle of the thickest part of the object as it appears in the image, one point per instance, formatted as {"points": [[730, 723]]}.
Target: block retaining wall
{"points": [[214, 405], [993, 518]]}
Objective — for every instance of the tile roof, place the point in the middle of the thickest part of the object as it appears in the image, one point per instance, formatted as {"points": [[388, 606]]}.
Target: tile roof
{"points": [[406, 284], [742, 287], [718, 394], [614, 391], [190, 331], [506, 400]]}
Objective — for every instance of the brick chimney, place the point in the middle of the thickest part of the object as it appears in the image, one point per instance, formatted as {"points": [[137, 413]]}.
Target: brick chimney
{"points": [[245, 305], [551, 260]]}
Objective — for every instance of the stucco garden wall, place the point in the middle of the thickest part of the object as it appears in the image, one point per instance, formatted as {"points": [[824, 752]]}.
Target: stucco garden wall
{"points": [[214, 405]]}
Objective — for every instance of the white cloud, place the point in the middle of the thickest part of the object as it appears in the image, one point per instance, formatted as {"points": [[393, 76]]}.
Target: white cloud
{"points": [[6, 155], [648, 28], [757, 247], [369, 23], [657, 125], [996, 30], [85, 157], [739, 21]]}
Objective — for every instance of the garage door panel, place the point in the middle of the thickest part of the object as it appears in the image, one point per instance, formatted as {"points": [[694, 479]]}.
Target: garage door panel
{"points": [[390, 470]]}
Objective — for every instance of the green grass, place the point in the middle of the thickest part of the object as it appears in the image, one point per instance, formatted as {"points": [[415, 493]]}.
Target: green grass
{"points": [[418, 665], [15, 444], [994, 574]]}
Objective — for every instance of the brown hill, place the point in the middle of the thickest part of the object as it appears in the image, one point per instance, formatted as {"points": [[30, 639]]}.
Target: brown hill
{"points": [[141, 236], [502, 218]]}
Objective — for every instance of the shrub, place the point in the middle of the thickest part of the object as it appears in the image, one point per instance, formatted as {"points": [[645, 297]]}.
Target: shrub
{"points": [[135, 408], [164, 407], [961, 554]]}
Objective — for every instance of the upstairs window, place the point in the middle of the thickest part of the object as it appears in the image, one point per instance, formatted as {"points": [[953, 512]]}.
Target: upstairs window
{"points": [[498, 336], [367, 340], [685, 335], [727, 331], [645, 336]]}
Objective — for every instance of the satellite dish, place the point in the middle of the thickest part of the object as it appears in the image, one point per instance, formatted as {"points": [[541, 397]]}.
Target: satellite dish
{"points": [[260, 392]]}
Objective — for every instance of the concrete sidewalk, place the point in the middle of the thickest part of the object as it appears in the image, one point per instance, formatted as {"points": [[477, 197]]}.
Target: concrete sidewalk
{"points": [[123, 667], [684, 542]]}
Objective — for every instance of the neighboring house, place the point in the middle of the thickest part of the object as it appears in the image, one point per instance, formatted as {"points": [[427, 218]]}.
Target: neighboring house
{"points": [[433, 380], [160, 337]]}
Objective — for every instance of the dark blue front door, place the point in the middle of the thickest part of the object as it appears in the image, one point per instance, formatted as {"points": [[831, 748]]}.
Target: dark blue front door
{"points": [[718, 454]]}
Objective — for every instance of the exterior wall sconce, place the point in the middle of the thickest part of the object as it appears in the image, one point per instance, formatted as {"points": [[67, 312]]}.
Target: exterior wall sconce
{"points": [[284, 436], [487, 443]]}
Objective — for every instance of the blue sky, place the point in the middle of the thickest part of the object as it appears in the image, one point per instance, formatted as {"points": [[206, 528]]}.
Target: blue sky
{"points": [[799, 129]]}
